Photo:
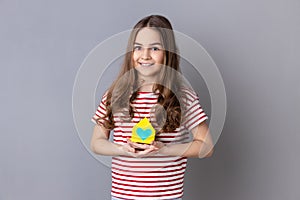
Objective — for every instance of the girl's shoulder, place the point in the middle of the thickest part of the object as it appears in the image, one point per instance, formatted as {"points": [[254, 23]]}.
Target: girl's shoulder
{"points": [[104, 97], [188, 94]]}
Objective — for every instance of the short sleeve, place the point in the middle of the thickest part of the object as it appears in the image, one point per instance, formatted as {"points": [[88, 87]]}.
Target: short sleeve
{"points": [[99, 114], [193, 112]]}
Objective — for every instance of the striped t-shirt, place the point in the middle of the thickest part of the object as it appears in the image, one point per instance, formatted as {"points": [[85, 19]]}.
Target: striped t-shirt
{"points": [[154, 177]]}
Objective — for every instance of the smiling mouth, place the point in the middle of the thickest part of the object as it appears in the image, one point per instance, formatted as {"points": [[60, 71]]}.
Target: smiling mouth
{"points": [[146, 64]]}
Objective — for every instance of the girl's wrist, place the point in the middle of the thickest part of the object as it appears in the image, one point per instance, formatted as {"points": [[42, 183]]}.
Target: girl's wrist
{"points": [[163, 149], [121, 151]]}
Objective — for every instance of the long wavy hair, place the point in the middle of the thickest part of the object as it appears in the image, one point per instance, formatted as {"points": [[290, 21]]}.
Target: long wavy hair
{"points": [[125, 88]]}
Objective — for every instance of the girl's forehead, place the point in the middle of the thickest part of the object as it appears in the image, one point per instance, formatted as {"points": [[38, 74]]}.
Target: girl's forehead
{"points": [[148, 36]]}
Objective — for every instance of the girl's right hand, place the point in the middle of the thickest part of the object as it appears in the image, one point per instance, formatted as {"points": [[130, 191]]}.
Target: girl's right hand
{"points": [[127, 149]]}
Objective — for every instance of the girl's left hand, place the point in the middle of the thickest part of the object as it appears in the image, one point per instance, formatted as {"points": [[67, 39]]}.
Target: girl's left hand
{"points": [[157, 144]]}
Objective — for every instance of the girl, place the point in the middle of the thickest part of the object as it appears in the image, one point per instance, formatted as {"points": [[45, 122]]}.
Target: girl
{"points": [[150, 86]]}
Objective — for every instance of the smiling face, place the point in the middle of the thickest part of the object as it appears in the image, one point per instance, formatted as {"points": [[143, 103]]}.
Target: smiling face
{"points": [[148, 54]]}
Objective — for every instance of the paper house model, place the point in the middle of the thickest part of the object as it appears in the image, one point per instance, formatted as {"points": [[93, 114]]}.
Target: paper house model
{"points": [[143, 132]]}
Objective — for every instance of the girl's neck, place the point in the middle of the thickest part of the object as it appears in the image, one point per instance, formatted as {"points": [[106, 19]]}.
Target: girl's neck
{"points": [[146, 86]]}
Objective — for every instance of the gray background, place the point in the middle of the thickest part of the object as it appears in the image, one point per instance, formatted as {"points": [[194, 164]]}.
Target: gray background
{"points": [[254, 43]]}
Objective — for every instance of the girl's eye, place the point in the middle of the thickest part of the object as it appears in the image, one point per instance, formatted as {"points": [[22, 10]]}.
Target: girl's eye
{"points": [[137, 48], [155, 48]]}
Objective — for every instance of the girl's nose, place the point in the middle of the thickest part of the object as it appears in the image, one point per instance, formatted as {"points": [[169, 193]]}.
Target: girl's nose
{"points": [[146, 53]]}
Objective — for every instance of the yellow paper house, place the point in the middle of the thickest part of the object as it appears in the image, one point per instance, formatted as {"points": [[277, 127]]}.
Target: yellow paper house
{"points": [[143, 132]]}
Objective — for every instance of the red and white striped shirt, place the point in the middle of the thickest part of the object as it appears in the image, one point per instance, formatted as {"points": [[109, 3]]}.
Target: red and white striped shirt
{"points": [[154, 177]]}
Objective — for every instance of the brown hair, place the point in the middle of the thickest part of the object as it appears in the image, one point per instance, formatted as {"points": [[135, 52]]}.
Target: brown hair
{"points": [[124, 89]]}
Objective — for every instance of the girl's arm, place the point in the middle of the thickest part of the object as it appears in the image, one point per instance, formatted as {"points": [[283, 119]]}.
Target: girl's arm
{"points": [[100, 144], [201, 146]]}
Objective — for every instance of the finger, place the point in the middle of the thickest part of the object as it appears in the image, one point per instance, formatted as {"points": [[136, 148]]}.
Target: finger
{"points": [[133, 154], [130, 151], [137, 145], [158, 144], [131, 143], [129, 148], [146, 152], [153, 147], [144, 146]]}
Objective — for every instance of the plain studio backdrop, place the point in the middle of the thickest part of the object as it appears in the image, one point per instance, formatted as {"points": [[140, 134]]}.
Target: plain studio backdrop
{"points": [[255, 45]]}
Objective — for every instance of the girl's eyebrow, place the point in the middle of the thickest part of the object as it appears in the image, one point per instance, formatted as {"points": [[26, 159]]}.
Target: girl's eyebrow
{"points": [[155, 43]]}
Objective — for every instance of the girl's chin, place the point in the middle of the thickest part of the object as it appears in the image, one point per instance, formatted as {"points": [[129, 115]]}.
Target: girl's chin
{"points": [[144, 66]]}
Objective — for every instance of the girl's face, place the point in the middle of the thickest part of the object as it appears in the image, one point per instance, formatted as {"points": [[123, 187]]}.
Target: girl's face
{"points": [[148, 53]]}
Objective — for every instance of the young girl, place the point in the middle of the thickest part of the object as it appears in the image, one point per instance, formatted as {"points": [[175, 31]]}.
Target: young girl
{"points": [[150, 86]]}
